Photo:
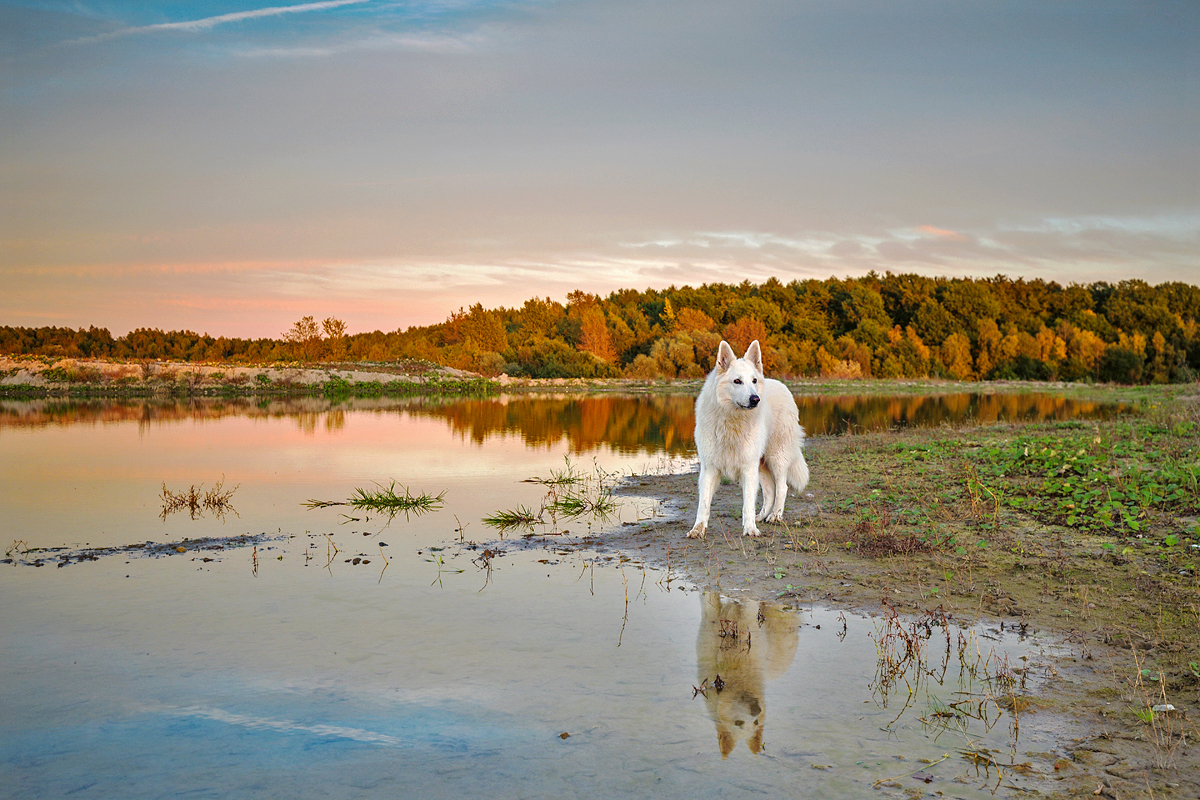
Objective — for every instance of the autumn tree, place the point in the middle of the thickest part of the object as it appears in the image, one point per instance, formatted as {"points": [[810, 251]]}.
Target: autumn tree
{"points": [[335, 337], [538, 318], [594, 336], [956, 357], [484, 328], [693, 319], [989, 339], [741, 333], [305, 338]]}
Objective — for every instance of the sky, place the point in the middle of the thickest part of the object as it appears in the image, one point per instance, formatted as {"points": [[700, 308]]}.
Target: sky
{"points": [[228, 167]]}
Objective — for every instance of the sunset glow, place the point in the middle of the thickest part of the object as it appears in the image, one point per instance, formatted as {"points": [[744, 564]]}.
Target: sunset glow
{"points": [[227, 167]]}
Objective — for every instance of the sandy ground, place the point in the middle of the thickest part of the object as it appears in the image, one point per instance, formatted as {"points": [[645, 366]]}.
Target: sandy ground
{"points": [[1111, 752]]}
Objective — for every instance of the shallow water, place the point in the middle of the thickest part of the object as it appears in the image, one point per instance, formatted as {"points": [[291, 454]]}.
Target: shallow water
{"points": [[288, 671]]}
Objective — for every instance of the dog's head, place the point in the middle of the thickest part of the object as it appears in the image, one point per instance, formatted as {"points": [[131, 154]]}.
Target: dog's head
{"points": [[739, 379], [739, 715]]}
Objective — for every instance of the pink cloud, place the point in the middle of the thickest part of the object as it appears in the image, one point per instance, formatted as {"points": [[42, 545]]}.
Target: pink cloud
{"points": [[942, 233]]}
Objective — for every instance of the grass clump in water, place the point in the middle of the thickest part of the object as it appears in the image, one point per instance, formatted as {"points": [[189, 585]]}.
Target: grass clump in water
{"points": [[386, 500], [570, 494], [521, 516]]}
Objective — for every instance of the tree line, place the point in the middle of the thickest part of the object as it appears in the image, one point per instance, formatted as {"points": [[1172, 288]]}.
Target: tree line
{"points": [[885, 326]]}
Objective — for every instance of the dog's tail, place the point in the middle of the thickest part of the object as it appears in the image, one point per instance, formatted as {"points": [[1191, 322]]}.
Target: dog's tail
{"points": [[797, 476]]}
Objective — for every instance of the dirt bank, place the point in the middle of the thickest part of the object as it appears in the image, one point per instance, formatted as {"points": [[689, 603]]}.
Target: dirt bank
{"points": [[41, 372], [955, 518]]}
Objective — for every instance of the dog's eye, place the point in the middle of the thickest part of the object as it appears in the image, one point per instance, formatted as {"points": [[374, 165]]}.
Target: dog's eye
{"points": [[738, 381], [756, 380]]}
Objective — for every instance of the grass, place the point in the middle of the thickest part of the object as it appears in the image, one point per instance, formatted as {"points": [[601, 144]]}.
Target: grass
{"points": [[570, 494], [1134, 479], [1164, 727], [521, 516], [911, 662], [337, 388], [386, 500], [563, 477]]}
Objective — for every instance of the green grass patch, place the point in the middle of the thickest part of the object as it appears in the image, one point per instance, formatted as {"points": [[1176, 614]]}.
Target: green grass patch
{"points": [[571, 494], [386, 500]]}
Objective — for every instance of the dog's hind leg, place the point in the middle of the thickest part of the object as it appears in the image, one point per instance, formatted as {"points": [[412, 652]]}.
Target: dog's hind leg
{"points": [[776, 475], [767, 482], [709, 478]]}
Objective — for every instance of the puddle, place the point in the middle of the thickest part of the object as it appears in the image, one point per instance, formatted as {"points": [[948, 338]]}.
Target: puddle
{"points": [[308, 681], [353, 656]]}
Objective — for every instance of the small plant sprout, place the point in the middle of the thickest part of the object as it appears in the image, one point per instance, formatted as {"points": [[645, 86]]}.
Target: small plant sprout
{"points": [[441, 566]]}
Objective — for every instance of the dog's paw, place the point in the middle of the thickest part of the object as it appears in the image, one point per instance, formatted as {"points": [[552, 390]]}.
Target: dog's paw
{"points": [[698, 531], [751, 530], [772, 518]]}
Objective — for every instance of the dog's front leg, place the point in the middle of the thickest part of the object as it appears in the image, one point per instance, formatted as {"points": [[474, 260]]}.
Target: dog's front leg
{"points": [[749, 496], [709, 478]]}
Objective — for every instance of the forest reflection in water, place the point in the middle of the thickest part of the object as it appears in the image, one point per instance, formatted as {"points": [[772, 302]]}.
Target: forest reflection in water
{"points": [[623, 423], [300, 666]]}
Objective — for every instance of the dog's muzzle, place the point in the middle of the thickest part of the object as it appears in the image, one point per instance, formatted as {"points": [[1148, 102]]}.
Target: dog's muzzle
{"points": [[752, 402]]}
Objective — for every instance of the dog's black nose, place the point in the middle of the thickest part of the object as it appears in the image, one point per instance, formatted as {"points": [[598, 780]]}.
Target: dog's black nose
{"points": [[753, 401]]}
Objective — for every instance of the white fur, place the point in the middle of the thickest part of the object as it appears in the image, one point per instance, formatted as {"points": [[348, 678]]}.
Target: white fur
{"points": [[747, 429]]}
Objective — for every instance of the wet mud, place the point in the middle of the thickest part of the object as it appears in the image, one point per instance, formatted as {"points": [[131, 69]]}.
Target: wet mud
{"points": [[203, 549]]}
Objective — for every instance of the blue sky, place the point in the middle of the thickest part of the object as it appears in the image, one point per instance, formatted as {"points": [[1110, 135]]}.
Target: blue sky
{"points": [[229, 167]]}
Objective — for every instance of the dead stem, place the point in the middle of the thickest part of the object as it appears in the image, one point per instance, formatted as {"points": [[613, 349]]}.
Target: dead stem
{"points": [[216, 500]]}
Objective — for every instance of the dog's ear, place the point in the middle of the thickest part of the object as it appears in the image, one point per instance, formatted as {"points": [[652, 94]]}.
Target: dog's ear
{"points": [[754, 355], [725, 356]]}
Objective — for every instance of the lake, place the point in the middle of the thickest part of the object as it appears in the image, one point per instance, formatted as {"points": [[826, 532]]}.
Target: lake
{"points": [[338, 653]]}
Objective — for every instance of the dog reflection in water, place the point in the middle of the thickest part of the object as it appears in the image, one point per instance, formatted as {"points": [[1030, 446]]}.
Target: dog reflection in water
{"points": [[742, 644]]}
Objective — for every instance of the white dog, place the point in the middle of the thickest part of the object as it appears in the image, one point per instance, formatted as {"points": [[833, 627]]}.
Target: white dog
{"points": [[747, 429]]}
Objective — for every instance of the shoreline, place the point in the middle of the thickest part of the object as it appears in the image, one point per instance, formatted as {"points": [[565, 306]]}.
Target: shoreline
{"points": [[1118, 609], [34, 378], [24, 377]]}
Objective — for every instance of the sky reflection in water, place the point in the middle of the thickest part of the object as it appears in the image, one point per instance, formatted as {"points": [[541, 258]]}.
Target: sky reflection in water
{"points": [[137, 677]]}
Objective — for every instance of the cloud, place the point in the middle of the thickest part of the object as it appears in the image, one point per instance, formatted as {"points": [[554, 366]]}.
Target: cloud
{"points": [[941, 233], [418, 42], [1176, 226], [208, 23]]}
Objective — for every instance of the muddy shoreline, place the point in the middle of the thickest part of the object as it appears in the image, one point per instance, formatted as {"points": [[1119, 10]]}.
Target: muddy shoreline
{"points": [[1053, 581], [202, 549]]}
